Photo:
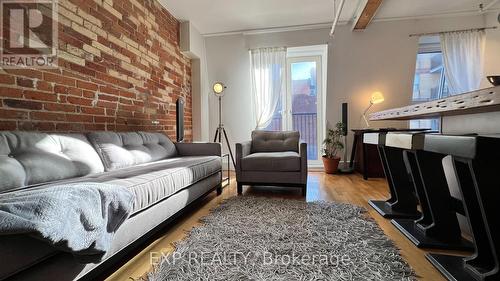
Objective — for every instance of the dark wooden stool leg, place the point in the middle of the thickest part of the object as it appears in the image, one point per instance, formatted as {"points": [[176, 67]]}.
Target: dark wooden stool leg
{"points": [[411, 164], [403, 203], [384, 207], [438, 227], [479, 186]]}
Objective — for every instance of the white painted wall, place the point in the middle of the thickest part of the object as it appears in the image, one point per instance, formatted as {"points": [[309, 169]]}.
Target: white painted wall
{"points": [[382, 58], [192, 44], [492, 52]]}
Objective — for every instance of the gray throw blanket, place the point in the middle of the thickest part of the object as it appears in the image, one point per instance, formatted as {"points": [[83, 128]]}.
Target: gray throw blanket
{"points": [[79, 218]]}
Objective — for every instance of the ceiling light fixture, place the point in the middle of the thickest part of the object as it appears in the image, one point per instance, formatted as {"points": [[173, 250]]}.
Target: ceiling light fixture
{"points": [[336, 14]]}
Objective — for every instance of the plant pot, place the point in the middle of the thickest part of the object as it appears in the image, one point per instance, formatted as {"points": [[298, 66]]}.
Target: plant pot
{"points": [[331, 164]]}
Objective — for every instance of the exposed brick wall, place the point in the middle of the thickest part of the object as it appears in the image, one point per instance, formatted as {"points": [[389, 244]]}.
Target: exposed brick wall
{"points": [[120, 69]]}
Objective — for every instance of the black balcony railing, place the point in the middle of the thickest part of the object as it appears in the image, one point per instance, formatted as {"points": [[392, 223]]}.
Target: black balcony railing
{"points": [[307, 125]]}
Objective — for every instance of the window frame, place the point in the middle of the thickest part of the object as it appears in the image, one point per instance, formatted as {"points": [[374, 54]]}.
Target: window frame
{"points": [[442, 79], [426, 48]]}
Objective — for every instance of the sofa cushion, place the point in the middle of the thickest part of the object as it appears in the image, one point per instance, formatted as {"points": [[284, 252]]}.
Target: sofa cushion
{"points": [[28, 158], [270, 141], [153, 182], [288, 161], [121, 150]]}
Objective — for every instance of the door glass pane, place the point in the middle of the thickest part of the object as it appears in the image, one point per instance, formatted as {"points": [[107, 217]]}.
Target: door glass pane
{"points": [[305, 104]]}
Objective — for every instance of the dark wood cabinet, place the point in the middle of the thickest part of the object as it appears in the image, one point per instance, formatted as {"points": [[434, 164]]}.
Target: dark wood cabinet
{"points": [[366, 157]]}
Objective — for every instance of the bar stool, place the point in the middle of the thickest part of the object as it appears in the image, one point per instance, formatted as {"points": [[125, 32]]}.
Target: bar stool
{"points": [[402, 202], [476, 166], [438, 226]]}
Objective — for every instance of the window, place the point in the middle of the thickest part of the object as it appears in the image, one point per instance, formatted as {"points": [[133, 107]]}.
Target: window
{"points": [[429, 82], [301, 107]]}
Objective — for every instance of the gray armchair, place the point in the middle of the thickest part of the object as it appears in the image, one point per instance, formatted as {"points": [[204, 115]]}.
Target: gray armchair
{"points": [[273, 159]]}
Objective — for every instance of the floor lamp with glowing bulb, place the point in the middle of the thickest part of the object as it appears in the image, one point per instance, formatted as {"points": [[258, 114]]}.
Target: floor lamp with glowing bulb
{"points": [[376, 98], [218, 89]]}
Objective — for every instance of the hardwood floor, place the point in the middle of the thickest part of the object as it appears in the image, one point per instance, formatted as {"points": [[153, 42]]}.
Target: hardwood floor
{"points": [[344, 188]]}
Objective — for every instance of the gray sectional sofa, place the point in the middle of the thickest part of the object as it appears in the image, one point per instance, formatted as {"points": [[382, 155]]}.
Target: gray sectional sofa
{"points": [[164, 177]]}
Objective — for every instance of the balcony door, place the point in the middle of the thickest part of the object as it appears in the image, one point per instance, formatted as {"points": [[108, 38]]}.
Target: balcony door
{"points": [[301, 108]]}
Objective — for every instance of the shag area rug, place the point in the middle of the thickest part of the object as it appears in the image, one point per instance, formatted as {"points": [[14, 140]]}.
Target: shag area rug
{"points": [[249, 238]]}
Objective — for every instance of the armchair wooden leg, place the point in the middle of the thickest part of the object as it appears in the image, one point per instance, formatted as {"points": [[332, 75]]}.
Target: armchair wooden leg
{"points": [[304, 190], [240, 188]]}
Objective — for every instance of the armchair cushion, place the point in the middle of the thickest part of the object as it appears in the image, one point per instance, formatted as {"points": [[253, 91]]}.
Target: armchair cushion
{"points": [[287, 161], [270, 141]]}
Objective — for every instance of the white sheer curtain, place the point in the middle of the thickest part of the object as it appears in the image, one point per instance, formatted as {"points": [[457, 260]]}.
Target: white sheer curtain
{"points": [[268, 67], [463, 55]]}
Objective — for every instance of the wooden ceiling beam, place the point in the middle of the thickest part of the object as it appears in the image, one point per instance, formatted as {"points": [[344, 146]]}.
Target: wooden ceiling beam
{"points": [[365, 13]]}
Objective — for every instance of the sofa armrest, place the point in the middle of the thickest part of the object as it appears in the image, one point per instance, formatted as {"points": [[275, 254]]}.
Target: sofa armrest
{"points": [[199, 149], [303, 161], [242, 149]]}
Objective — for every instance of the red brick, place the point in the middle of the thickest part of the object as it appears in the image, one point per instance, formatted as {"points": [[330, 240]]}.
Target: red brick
{"points": [[70, 127], [13, 114], [37, 126], [95, 66], [8, 125], [106, 104], [44, 86], [26, 72], [25, 82], [86, 85], [92, 110], [47, 116], [25, 104], [7, 79], [79, 118], [79, 101], [59, 107], [59, 79], [127, 94], [85, 97], [73, 75], [10, 93], [122, 113], [75, 92], [60, 89], [109, 90], [88, 94], [94, 127], [82, 69], [104, 119], [35, 95], [126, 101], [108, 97]]}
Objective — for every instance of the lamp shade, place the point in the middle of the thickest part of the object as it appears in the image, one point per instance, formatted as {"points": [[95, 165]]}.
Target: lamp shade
{"points": [[219, 88], [377, 97]]}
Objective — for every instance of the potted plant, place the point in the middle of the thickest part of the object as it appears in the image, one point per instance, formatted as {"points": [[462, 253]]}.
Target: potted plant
{"points": [[333, 146]]}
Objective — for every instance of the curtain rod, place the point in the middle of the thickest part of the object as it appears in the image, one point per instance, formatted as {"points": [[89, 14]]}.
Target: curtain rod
{"points": [[437, 33]]}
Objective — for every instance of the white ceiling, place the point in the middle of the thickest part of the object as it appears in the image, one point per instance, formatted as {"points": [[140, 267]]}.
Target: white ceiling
{"points": [[218, 16]]}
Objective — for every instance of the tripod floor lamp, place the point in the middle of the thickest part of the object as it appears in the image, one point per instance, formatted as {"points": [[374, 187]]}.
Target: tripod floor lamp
{"points": [[219, 92]]}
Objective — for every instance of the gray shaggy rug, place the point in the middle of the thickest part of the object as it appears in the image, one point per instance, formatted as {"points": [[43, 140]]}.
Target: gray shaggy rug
{"points": [[250, 238]]}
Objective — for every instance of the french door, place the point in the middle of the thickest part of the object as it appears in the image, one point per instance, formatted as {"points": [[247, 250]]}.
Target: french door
{"points": [[301, 106]]}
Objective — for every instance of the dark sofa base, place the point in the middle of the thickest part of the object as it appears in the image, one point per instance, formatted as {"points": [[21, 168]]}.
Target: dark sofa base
{"points": [[302, 186], [133, 234]]}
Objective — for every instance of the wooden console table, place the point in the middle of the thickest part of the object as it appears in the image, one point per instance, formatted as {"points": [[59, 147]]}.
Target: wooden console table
{"points": [[365, 158]]}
